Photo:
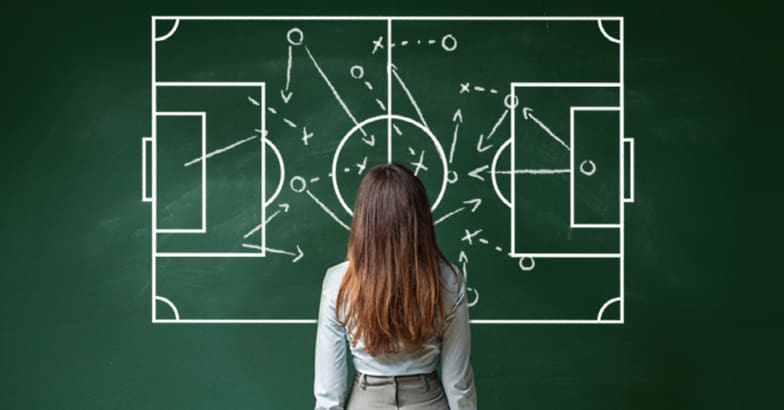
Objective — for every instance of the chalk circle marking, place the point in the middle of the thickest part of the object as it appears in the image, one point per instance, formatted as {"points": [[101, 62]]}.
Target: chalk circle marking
{"points": [[587, 168], [475, 300], [388, 117], [298, 184], [357, 72], [449, 39], [511, 101], [527, 267], [451, 177], [295, 36]]}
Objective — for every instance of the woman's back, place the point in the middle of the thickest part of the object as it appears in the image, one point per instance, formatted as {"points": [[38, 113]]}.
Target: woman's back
{"points": [[452, 348], [397, 302]]}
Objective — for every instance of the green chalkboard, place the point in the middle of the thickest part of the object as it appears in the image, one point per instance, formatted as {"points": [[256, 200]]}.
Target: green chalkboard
{"points": [[177, 182]]}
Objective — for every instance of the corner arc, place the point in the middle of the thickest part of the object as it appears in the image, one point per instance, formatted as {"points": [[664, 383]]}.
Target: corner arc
{"points": [[170, 33], [605, 34], [171, 305], [606, 305]]}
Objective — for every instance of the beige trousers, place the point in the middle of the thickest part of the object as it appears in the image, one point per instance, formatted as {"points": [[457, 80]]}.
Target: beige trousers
{"points": [[417, 392]]}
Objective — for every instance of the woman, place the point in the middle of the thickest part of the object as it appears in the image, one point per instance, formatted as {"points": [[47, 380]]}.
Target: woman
{"points": [[399, 304]]}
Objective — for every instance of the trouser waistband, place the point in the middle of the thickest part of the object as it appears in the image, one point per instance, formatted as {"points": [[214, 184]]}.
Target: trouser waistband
{"points": [[412, 379]]}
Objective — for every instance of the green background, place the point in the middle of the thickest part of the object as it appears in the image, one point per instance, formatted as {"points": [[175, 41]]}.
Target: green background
{"points": [[702, 310]]}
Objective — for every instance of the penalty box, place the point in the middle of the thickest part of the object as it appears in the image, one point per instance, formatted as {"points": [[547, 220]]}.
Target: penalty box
{"points": [[195, 192], [568, 150]]}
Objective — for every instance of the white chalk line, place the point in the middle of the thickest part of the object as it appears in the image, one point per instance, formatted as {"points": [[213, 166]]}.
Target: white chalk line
{"points": [[257, 227], [454, 142], [493, 172], [548, 131], [173, 29], [604, 33], [254, 102], [334, 91], [537, 171], [390, 18], [479, 147], [497, 124], [288, 70], [270, 250], [327, 210], [605, 306], [220, 150], [171, 305], [410, 97], [441, 219]]}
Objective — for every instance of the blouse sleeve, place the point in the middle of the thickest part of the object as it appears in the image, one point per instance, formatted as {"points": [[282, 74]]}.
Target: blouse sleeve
{"points": [[329, 386], [456, 373]]}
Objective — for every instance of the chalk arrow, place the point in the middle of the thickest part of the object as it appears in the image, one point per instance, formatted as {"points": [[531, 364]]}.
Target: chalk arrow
{"points": [[286, 96], [458, 117], [527, 114], [372, 141], [475, 172], [463, 258], [299, 256], [479, 146], [285, 207], [475, 202]]}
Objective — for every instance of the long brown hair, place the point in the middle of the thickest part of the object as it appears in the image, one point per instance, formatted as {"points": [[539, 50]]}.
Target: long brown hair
{"points": [[391, 291]]}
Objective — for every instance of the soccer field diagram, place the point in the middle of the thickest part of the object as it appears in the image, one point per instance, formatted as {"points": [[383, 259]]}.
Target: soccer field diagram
{"points": [[262, 128]]}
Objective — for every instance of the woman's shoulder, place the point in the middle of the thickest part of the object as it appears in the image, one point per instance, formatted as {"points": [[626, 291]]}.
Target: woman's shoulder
{"points": [[451, 278], [334, 276]]}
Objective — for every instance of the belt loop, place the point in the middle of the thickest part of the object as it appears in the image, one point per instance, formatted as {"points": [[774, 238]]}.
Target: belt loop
{"points": [[363, 381], [427, 384]]}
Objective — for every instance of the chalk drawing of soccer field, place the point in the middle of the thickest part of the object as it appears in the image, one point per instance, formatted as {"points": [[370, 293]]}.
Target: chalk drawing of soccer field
{"points": [[232, 134]]}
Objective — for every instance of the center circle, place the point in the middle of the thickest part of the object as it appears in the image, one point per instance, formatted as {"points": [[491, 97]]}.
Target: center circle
{"points": [[359, 129]]}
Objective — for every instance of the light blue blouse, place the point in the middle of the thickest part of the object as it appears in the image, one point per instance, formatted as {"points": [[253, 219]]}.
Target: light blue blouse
{"points": [[453, 348]]}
